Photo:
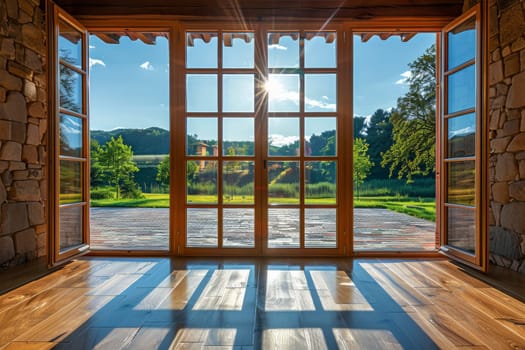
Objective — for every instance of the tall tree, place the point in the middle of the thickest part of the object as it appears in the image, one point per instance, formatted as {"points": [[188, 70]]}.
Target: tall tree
{"points": [[414, 122], [163, 172], [362, 163], [379, 139]]}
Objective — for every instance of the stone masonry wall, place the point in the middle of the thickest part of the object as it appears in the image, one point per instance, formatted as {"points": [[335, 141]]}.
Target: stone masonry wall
{"points": [[507, 133], [23, 126]]}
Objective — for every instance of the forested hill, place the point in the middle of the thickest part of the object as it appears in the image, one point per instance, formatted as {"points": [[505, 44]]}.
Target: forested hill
{"points": [[143, 141]]}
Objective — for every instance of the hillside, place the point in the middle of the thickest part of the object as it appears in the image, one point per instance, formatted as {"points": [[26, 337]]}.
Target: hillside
{"points": [[143, 141]]}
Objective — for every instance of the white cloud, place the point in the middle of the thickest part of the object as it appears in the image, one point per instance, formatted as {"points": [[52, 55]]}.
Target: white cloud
{"points": [[325, 97], [147, 66], [95, 61], [463, 132], [277, 47], [92, 46], [293, 96], [281, 140], [406, 75], [309, 102]]}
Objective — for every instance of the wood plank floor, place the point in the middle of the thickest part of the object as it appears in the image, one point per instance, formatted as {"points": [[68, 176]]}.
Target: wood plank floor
{"points": [[162, 303]]}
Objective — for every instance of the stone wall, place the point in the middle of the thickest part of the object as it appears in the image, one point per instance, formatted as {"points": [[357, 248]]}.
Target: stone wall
{"points": [[23, 126], [507, 133]]}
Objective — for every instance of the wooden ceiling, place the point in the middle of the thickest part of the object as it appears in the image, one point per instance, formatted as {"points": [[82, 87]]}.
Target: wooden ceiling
{"points": [[267, 9]]}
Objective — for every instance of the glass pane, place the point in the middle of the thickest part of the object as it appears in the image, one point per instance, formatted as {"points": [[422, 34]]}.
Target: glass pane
{"points": [[202, 227], [237, 50], [201, 50], [70, 136], [70, 89], [69, 44], [462, 90], [283, 92], [320, 182], [283, 182], [238, 227], [462, 43], [283, 50], [462, 229], [320, 137], [283, 137], [201, 137], [320, 93], [71, 230], [283, 228], [238, 93], [201, 180], [320, 50], [201, 93], [237, 137], [462, 183], [320, 228], [70, 182], [462, 136], [237, 180]]}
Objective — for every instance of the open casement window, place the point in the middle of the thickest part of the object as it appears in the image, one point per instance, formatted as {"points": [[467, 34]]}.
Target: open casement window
{"points": [[69, 145], [463, 229]]}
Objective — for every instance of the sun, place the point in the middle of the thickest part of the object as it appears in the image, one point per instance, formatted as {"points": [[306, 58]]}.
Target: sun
{"points": [[273, 86]]}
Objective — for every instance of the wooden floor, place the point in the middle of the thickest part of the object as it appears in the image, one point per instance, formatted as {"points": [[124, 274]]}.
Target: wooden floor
{"points": [[264, 303]]}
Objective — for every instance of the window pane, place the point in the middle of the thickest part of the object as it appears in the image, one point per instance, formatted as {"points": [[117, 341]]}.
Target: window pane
{"points": [[462, 183], [283, 137], [462, 229], [238, 227], [201, 180], [70, 136], [237, 50], [238, 93], [70, 89], [320, 50], [237, 137], [70, 44], [462, 43], [201, 50], [283, 50], [320, 93], [320, 137], [237, 180], [201, 137], [320, 228], [70, 182], [320, 182], [283, 228], [71, 230], [283, 92], [462, 136], [201, 93], [202, 227], [283, 182], [462, 90]]}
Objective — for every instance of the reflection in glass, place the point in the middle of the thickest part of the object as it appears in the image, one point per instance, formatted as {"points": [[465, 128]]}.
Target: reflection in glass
{"points": [[202, 227], [462, 90], [70, 182], [283, 50], [237, 137], [70, 89], [201, 50], [462, 229], [69, 44], [462, 43], [201, 137], [237, 50], [283, 182], [320, 182], [462, 183], [320, 137], [283, 228], [237, 180], [283, 92], [201, 93], [320, 228], [320, 93], [238, 228], [320, 50], [462, 136], [70, 136], [71, 231], [201, 180], [283, 137], [238, 93]]}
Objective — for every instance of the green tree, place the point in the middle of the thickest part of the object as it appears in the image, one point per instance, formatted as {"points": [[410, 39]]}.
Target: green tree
{"points": [[379, 139], [413, 151], [359, 126], [192, 172], [115, 159], [231, 172], [362, 163], [163, 172]]}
